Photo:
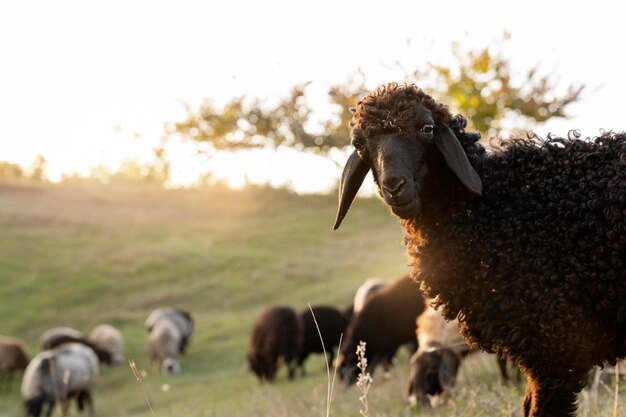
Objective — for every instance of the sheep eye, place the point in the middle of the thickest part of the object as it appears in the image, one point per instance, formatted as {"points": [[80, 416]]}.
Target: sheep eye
{"points": [[358, 145], [427, 128]]}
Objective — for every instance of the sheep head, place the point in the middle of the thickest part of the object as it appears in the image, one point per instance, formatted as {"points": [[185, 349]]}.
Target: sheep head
{"points": [[433, 371], [395, 132]]}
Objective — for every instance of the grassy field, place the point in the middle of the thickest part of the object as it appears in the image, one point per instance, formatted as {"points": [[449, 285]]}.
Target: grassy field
{"points": [[80, 255]]}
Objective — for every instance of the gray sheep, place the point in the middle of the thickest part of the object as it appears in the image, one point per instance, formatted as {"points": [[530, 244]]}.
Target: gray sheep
{"points": [[169, 331], [68, 371]]}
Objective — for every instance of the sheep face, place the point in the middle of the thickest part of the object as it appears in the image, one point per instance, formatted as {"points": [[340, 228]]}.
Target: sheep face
{"points": [[348, 371], [396, 132], [260, 367], [34, 406], [432, 372]]}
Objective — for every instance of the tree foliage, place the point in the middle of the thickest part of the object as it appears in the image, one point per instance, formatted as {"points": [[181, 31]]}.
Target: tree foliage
{"points": [[480, 85], [246, 124], [10, 171]]}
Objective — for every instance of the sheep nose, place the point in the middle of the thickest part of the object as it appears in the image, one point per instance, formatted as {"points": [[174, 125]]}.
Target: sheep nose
{"points": [[394, 186]]}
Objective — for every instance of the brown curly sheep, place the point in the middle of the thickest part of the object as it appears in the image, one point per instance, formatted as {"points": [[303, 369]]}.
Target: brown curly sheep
{"points": [[525, 245]]}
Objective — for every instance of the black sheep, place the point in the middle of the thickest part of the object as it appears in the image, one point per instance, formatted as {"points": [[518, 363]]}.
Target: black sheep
{"points": [[386, 322], [332, 324], [526, 245], [276, 336]]}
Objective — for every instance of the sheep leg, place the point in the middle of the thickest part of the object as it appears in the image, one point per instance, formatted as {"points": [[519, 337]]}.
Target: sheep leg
{"points": [[551, 397], [85, 398], [50, 408], [504, 375], [291, 367], [300, 358]]}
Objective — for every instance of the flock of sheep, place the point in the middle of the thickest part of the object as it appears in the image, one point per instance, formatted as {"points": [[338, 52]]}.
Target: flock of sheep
{"points": [[521, 248], [68, 363], [386, 316]]}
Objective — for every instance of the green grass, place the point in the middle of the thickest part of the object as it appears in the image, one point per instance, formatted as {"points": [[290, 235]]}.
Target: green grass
{"points": [[80, 255]]}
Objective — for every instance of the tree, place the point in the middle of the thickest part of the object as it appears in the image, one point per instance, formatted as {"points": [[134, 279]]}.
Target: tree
{"points": [[479, 85], [10, 171], [246, 123], [38, 168]]}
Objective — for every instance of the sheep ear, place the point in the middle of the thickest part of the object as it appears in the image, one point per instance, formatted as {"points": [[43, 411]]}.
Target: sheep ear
{"points": [[351, 179], [456, 159]]}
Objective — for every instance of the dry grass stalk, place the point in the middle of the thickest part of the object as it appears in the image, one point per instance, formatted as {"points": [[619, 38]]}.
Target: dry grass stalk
{"points": [[331, 384], [364, 380], [137, 375], [616, 400]]}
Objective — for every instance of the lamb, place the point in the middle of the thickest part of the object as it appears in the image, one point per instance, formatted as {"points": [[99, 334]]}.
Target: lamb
{"points": [[332, 324], [435, 364], [62, 373], [525, 245], [276, 337], [169, 332], [110, 340], [386, 322], [13, 358]]}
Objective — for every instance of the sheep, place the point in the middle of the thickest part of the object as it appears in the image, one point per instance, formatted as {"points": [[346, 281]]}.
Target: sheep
{"points": [[47, 338], [169, 331], [109, 339], [332, 324], [435, 364], [386, 322], [13, 358], [365, 290], [181, 318], [525, 244], [276, 337], [60, 338], [164, 342], [60, 374]]}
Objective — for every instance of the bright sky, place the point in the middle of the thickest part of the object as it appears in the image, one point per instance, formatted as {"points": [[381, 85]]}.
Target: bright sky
{"points": [[80, 79]]}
